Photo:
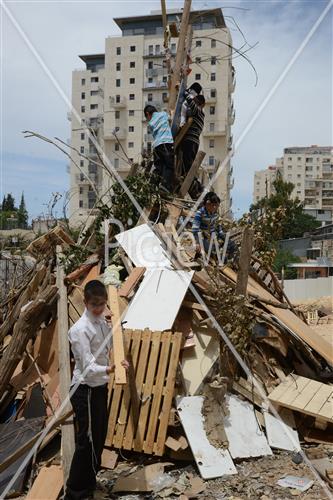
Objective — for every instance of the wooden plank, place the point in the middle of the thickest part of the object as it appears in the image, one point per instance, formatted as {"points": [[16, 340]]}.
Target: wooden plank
{"points": [[248, 440], [47, 485], [140, 368], [117, 333], [295, 389], [244, 261], [147, 390], [67, 431], [318, 400], [168, 393], [326, 411], [192, 173], [212, 462], [306, 395], [157, 392], [131, 282]]}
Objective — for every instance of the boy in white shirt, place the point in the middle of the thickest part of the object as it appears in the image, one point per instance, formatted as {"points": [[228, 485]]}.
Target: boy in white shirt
{"points": [[91, 340]]}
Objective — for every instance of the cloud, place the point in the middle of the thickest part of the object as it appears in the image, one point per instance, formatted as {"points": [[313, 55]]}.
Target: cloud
{"points": [[298, 114]]}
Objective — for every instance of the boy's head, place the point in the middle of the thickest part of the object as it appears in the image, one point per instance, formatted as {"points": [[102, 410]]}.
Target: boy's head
{"points": [[200, 101], [211, 202], [95, 297], [148, 111]]}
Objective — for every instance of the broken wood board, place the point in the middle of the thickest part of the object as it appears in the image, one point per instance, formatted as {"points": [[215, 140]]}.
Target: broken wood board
{"points": [[212, 462], [143, 480], [306, 396], [196, 362], [155, 357], [280, 434], [117, 334], [288, 319], [157, 300], [47, 485], [143, 247], [133, 279], [109, 459], [76, 300], [245, 437]]}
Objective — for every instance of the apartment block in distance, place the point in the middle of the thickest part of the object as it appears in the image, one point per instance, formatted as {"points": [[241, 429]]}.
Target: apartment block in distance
{"points": [[112, 90], [310, 169]]}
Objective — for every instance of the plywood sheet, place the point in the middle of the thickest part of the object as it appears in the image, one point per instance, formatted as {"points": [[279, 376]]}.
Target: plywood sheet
{"points": [[143, 247], [47, 485], [280, 434], [306, 396], [212, 462], [158, 300], [245, 437]]}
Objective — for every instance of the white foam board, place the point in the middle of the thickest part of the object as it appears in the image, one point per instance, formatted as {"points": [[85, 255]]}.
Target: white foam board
{"points": [[280, 434], [157, 300], [212, 462], [245, 437]]}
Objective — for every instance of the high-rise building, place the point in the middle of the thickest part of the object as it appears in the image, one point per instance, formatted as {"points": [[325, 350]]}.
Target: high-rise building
{"points": [[263, 182], [111, 92], [310, 169]]}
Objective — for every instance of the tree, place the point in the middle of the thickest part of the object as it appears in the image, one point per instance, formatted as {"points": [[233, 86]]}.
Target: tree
{"points": [[8, 204], [295, 222], [22, 214], [282, 259]]}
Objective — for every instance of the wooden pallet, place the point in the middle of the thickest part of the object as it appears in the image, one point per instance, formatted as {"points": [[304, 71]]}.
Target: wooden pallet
{"points": [[139, 411], [306, 396]]}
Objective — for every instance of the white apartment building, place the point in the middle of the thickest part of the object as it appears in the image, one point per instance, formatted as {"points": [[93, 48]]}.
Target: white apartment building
{"points": [[263, 182], [113, 89], [310, 169]]}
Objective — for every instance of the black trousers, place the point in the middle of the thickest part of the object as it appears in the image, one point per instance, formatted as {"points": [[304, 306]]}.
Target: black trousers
{"points": [[189, 150], [90, 433], [164, 161]]}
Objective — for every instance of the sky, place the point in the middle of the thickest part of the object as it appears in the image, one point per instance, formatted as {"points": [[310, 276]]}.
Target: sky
{"points": [[291, 105]]}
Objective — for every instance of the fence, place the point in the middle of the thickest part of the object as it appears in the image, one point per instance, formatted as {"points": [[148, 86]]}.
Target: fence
{"points": [[313, 288]]}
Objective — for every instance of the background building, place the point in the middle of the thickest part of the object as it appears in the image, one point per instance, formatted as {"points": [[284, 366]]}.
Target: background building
{"points": [[111, 92], [310, 169], [263, 183]]}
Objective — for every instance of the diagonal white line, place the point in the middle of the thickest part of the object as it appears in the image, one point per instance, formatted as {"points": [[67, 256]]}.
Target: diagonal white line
{"points": [[260, 108]]}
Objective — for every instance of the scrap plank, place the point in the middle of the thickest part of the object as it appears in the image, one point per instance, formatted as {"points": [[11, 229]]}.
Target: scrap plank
{"points": [[47, 485], [132, 280], [292, 399], [212, 462], [117, 332], [280, 434], [248, 440]]}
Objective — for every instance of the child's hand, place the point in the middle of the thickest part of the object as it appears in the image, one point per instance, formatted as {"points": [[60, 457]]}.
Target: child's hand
{"points": [[109, 369], [125, 364], [108, 318]]}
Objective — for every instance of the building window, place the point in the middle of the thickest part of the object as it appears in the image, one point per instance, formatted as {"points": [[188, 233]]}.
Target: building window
{"points": [[83, 95], [118, 66], [299, 158], [149, 97], [157, 49], [132, 64], [213, 93], [118, 51], [94, 79], [132, 81], [213, 60], [132, 48], [150, 80], [118, 82], [116, 147], [116, 162], [131, 97], [81, 163], [150, 64], [131, 144], [81, 190], [83, 109], [82, 136], [198, 43], [131, 112], [83, 81], [212, 110], [211, 127], [213, 44], [93, 106], [211, 143], [173, 47], [82, 149], [211, 160], [198, 60], [213, 77], [117, 98], [94, 92], [198, 76], [117, 115], [151, 50], [131, 128], [81, 203]]}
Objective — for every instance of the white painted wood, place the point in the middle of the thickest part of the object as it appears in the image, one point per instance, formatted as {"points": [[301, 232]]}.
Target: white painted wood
{"points": [[280, 434], [245, 437], [212, 462], [198, 360], [143, 247], [158, 299]]}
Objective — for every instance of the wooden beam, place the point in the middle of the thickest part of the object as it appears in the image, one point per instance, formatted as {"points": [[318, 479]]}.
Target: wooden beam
{"points": [[132, 280], [244, 261], [118, 342], [67, 431], [175, 77], [192, 173]]}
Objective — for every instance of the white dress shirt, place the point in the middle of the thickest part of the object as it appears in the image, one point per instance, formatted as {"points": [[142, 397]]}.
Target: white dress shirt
{"points": [[87, 336]]}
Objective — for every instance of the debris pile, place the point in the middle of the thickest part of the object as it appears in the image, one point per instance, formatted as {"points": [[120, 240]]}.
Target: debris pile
{"points": [[213, 350]]}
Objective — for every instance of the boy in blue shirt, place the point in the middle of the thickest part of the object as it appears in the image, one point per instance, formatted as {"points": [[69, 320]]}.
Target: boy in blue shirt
{"points": [[164, 155]]}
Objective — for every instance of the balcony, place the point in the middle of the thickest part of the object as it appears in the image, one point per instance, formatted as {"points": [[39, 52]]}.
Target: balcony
{"points": [[218, 129], [117, 102], [110, 135], [85, 181], [155, 85], [155, 72]]}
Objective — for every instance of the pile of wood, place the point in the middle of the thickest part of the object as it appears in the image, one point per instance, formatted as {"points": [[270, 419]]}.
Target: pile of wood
{"points": [[186, 393]]}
